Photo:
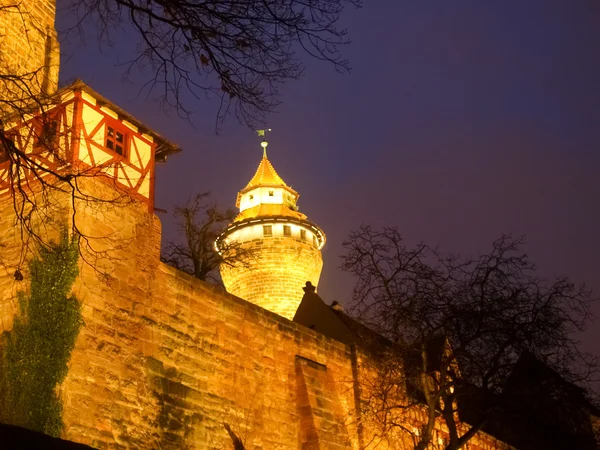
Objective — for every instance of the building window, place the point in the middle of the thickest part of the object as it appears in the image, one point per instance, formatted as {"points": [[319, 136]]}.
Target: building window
{"points": [[116, 140], [287, 230], [9, 141], [303, 234], [267, 230], [46, 134], [270, 193], [315, 243], [3, 153]]}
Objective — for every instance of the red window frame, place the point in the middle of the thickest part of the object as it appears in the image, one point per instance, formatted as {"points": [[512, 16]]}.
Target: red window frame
{"points": [[116, 138]]}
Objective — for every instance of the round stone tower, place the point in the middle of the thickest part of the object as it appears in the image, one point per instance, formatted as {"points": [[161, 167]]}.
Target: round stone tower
{"points": [[285, 247]]}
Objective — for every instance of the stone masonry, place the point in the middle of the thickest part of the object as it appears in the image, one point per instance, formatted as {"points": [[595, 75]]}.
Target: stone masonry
{"points": [[29, 51], [165, 360], [279, 269]]}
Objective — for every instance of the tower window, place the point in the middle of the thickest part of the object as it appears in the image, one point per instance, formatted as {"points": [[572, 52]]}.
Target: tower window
{"points": [[267, 230], [116, 140], [287, 230], [251, 197], [303, 234], [270, 193], [315, 243]]}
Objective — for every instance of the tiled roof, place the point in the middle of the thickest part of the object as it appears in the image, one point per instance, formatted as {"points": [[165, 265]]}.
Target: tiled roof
{"points": [[265, 175], [265, 210]]}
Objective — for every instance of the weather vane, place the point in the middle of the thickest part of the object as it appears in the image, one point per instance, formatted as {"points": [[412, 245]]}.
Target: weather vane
{"points": [[264, 143]]}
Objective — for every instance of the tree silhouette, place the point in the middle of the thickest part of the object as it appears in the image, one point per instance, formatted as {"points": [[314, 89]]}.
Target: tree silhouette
{"points": [[200, 223], [240, 51], [457, 328]]}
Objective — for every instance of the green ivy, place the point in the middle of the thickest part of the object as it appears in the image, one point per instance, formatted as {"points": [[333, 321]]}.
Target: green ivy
{"points": [[35, 353]]}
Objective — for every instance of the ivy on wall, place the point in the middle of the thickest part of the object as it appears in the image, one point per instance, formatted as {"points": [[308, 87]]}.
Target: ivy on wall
{"points": [[35, 353]]}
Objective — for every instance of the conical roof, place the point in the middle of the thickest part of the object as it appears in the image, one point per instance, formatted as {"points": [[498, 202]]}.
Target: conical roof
{"points": [[265, 176]]}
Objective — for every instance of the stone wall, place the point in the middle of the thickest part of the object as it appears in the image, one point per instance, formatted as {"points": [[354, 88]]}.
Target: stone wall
{"points": [[278, 270], [29, 49], [19, 238], [164, 360]]}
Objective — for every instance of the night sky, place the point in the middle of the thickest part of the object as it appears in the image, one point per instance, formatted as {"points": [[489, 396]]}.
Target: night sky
{"points": [[459, 121]]}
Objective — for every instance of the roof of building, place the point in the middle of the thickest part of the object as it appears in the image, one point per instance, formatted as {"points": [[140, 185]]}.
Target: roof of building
{"points": [[267, 176], [555, 415], [268, 210], [164, 147]]}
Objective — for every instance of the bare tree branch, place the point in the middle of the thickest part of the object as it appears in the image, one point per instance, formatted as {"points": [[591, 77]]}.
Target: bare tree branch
{"points": [[201, 222], [240, 51], [490, 310]]}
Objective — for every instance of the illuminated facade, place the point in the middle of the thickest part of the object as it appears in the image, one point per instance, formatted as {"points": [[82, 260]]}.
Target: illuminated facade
{"points": [[29, 48], [284, 247], [164, 360], [79, 131]]}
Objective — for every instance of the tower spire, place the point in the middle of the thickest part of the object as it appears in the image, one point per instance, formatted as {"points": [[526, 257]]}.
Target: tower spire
{"points": [[264, 143]]}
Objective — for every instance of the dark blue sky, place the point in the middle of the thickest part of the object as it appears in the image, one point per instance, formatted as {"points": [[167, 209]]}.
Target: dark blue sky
{"points": [[460, 121]]}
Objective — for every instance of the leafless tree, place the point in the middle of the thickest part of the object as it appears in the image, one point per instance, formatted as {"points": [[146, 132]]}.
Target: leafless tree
{"points": [[242, 51], [201, 222], [457, 328], [38, 180]]}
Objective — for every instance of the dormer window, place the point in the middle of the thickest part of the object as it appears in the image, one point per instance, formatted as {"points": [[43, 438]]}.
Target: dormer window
{"points": [[116, 139], [271, 193]]}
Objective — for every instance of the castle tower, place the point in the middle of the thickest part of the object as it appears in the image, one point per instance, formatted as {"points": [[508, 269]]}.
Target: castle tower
{"points": [[285, 246], [29, 51]]}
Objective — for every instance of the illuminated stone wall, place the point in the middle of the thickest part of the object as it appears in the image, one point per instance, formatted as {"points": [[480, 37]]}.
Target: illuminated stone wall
{"points": [[28, 48], [163, 360], [278, 269], [53, 208]]}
